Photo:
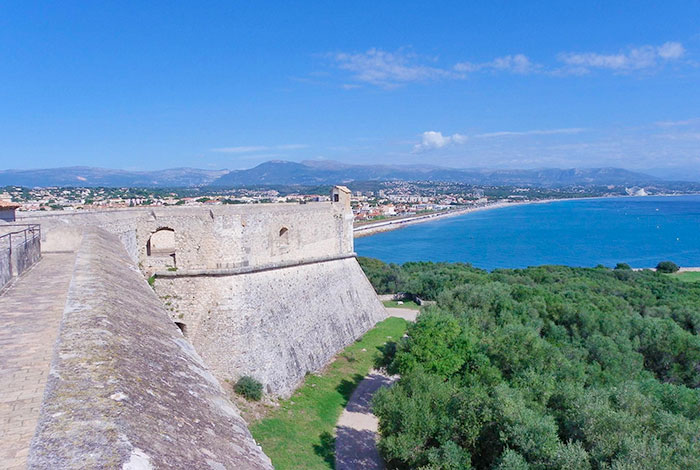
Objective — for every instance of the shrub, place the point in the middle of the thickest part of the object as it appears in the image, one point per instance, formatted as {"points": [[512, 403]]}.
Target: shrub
{"points": [[249, 388], [623, 266], [667, 267]]}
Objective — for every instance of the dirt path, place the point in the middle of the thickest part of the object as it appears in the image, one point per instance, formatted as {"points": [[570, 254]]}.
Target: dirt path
{"points": [[356, 431]]}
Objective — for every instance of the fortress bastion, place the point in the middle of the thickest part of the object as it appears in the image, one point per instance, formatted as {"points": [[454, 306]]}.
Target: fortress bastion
{"points": [[267, 290]]}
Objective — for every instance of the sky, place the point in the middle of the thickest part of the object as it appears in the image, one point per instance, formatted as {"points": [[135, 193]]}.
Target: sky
{"points": [[498, 84]]}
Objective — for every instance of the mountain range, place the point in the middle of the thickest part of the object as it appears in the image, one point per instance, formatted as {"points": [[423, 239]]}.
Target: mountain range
{"points": [[317, 173], [94, 177]]}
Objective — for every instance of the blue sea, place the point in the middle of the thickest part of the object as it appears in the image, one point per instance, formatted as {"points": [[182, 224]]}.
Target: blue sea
{"points": [[640, 231]]}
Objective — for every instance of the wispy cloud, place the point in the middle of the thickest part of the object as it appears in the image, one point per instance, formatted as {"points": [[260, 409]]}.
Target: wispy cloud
{"points": [[568, 130], [391, 69], [432, 140], [633, 59], [686, 122], [518, 63], [241, 149], [387, 69], [681, 136], [258, 148]]}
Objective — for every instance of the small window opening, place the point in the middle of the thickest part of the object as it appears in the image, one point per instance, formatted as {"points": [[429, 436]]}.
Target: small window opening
{"points": [[283, 231], [336, 198]]}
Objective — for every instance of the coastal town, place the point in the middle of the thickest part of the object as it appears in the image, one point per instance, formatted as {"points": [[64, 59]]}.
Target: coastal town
{"points": [[372, 202]]}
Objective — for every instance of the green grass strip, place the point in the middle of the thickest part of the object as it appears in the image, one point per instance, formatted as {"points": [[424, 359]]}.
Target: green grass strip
{"points": [[301, 432], [688, 276], [405, 304]]}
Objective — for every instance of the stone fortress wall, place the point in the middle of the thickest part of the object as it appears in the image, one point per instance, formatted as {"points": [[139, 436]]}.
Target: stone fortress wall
{"points": [[126, 390], [269, 290], [216, 237], [275, 325]]}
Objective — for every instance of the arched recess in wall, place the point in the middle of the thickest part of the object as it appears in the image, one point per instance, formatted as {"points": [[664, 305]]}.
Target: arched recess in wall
{"points": [[283, 240], [162, 244]]}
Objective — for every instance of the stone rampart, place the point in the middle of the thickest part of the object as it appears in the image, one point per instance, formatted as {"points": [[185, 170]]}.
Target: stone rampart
{"points": [[216, 237], [126, 389], [275, 325], [63, 231], [268, 290]]}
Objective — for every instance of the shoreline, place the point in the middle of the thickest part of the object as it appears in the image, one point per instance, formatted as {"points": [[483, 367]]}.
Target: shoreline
{"points": [[389, 225]]}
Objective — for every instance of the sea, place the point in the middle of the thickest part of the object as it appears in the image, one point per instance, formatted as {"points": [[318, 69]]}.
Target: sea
{"points": [[639, 231]]}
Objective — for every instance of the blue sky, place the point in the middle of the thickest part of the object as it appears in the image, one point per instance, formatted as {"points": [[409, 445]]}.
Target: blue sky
{"points": [[232, 84]]}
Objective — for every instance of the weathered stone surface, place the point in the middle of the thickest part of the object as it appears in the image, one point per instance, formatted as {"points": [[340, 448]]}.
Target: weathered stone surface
{"points": [[213, 238], [278, 292], [275, 325], [31, 309], [126, 390]]}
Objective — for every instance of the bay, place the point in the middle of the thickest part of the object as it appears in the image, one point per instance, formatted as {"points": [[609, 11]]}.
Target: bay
{"points": [[640, 231]]}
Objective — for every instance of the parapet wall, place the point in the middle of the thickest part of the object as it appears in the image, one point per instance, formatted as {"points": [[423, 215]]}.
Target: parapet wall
{"points": [[63, 231], [216, 237], [275, 325], [126, 390]]}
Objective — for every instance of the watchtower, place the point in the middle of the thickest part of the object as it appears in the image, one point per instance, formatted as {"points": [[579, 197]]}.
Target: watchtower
{"points": [[340, 195]]}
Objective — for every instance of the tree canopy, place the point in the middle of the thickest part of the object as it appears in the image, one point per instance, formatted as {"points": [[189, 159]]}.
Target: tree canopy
{"points": [[542, 368]]}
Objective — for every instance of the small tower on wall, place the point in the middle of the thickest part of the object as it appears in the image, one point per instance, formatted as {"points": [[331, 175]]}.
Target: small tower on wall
{"points": [[340, 200], [340, 195]]}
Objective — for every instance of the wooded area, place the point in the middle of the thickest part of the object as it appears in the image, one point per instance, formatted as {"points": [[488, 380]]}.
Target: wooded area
{"points": [[542, 368]]}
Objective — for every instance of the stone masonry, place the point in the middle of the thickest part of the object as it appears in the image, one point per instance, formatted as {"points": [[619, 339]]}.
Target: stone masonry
{"points": [[30, 313], [268, 290], [126, 390]]}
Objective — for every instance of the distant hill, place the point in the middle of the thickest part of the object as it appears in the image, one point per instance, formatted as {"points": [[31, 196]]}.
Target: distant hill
{"points": [[91, 177], [318, 172], [311, 173]]}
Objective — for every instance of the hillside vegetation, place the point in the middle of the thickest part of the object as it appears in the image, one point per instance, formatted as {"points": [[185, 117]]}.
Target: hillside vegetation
{"points": [[543, 368]]}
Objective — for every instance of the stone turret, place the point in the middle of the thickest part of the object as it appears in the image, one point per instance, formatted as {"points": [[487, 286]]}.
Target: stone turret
{"points": [[340, 195]]}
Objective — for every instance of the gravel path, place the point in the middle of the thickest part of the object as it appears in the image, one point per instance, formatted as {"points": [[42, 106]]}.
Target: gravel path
{"points": [[356, 431]]}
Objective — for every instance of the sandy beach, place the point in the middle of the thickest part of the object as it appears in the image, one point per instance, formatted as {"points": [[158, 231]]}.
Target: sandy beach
{"points": [[386, 225]]}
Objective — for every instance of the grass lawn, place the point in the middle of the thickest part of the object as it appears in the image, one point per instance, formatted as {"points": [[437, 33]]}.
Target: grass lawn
{"points": [[406, 304], [301, 432], [688, 276]]}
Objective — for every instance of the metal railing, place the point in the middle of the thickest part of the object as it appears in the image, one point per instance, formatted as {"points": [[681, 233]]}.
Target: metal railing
{"points": [[18, 239]]}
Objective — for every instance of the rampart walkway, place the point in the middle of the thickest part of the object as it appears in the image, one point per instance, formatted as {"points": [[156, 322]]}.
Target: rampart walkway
{"points": [[30, 314]]}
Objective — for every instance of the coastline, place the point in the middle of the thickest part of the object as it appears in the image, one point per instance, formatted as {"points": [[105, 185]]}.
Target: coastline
{"points": [[388, 225]]}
